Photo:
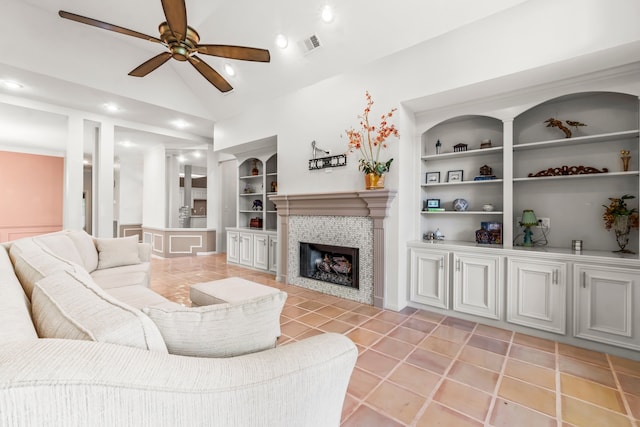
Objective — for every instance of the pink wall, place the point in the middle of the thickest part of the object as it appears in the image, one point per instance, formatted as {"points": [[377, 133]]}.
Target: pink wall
{"points": [[31, 194]]}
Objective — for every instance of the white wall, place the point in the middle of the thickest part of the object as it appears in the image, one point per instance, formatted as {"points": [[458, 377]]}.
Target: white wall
{"points": [[534, 42]]}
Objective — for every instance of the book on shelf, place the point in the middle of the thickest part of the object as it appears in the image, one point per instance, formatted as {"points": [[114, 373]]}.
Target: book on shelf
{"points": [[435, 209]]}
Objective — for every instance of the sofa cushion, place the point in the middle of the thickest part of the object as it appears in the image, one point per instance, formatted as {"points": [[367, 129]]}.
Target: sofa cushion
{"points": [[32, 262], [126, 275], [221, 330], [15, 309], [86, 247], [61, 245], [140, 297], [116, 252], [69, 305]]}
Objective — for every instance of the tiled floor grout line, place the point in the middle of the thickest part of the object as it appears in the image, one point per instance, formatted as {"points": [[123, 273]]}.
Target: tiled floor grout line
{"points": [[558, 388], [623, 396], [496, 389]]}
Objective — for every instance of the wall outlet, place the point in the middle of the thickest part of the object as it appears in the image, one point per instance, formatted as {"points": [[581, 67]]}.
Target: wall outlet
{"points": [[544, 223]]}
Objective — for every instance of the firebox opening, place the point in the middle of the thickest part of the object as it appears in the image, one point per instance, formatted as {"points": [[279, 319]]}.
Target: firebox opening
{"points": [[329, 263]]}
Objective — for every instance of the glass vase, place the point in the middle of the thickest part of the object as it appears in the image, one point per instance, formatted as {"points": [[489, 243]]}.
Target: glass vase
{"points": [[622, 228]]}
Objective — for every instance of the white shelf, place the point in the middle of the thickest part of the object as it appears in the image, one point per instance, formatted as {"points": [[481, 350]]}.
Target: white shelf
{"points": [[251, 177], [460, 154], [628, 134], [250, 211], [484, 182], [461, 212], [585, 176]]}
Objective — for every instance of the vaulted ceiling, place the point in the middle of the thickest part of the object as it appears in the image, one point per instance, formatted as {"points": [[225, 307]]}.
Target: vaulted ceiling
{"points": [[72, 65]]}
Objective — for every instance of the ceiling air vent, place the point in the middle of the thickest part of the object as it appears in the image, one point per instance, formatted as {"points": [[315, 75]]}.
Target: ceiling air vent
{"points": [[311, 43]]}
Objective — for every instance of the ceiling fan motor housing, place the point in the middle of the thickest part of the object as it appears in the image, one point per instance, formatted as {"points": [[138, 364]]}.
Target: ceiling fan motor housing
{"points": [[180, 49]]}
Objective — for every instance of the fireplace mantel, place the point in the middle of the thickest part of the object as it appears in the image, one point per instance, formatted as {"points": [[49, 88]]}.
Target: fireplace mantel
{"points": [[367, 203]]}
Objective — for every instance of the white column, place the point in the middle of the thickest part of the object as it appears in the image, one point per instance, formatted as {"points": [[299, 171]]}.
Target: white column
{"points": [[103, 184], [173, 189], [73, 174], [214, 197], [154, 197]]}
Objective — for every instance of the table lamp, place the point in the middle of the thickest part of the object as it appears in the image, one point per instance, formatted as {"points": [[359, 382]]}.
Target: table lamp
{"points": [[528, 220]]}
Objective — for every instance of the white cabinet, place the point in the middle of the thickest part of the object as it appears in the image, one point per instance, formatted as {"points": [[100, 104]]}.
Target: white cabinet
{"points": [[246, 249], [607, 305], [255, 249], [536, 294], [430, 277], [261, 251], [233, 247], [273, 253], [477, 284]]}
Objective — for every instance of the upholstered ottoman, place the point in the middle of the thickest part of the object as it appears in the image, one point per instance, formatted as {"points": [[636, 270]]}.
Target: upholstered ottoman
{"points": [[231, 290]]}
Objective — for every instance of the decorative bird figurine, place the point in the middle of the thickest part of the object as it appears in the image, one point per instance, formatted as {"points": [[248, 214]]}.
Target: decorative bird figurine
{"points": [[555, 123]]}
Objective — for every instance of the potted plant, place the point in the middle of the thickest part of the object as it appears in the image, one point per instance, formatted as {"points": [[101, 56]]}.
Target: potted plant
{"points": [[369, 140], [619, 218]]}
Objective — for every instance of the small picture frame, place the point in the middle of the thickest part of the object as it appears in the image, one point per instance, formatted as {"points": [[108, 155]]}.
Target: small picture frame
{"points": [[433, 203], [454, 176], [433, 177]]}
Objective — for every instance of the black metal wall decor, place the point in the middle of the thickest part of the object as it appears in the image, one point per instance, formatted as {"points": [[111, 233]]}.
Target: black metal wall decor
{"points": [[328, 162]]}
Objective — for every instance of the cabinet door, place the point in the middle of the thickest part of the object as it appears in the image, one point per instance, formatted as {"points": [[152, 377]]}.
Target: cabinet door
{"points": [[430, 277], [477, 284], [273, 253], [607, 305], [233, 247], [536, 294], [261, 251], [246, 249]]}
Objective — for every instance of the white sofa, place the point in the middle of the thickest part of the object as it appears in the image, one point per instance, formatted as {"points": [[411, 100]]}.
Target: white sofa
{"points": [[105, 362]]}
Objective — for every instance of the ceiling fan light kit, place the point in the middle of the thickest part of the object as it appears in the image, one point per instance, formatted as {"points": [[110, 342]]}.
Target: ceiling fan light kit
{"points": [[182, 43]]}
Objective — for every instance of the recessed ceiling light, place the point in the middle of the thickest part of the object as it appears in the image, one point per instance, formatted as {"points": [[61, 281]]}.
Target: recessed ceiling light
{"points": [[197, 154], [229, 70], [281, 41], [327, 14], [126, 144], [11, 84], [180, 124], [181, 159], [111, 107]]}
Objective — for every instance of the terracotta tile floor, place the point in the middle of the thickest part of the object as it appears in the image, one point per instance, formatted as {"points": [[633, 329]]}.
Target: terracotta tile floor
{"points": [[418, 368]]}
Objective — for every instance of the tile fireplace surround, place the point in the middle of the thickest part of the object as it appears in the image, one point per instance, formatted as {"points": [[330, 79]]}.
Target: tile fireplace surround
{"points": [[366, 209]]}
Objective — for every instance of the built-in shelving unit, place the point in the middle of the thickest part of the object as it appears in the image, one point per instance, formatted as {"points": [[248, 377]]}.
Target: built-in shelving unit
{"points": [[257, 176], [523, 145]]}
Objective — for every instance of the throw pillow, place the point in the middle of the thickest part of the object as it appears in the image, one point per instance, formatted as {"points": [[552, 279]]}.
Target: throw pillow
{"points": [[69, 305], [221, 330], [115, 252]]}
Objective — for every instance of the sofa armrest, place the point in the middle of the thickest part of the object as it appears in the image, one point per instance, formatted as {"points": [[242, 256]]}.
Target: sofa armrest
{"points": [[144, 251], [76, 383]]}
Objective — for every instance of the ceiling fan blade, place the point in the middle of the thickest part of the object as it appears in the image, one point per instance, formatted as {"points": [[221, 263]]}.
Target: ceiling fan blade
{"points": [[106, 26], [210, 74], [235, 52], [176, 13], [150, 65]]}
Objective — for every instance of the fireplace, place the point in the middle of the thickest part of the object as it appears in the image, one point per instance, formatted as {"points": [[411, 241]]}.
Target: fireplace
{"points": [[349, 219], [330, 263]]}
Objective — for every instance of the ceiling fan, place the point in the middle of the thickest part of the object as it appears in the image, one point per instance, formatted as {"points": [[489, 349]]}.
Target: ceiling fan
{"points": [[182, 44]]}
